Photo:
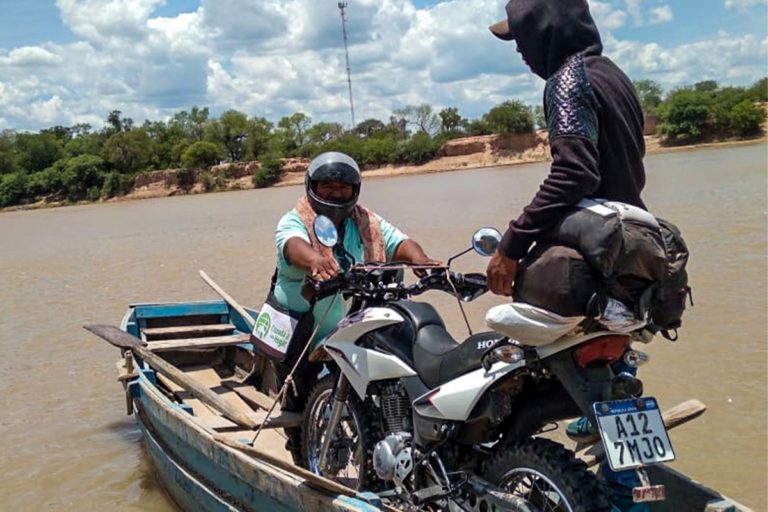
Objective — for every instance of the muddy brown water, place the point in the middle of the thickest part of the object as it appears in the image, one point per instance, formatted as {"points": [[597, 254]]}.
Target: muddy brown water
{"points": [[66, 444]]}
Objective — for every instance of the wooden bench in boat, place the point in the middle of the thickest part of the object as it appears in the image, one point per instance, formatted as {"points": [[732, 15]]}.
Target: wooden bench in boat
{"points": [[193, 343], [186, 331], [238, 395]]}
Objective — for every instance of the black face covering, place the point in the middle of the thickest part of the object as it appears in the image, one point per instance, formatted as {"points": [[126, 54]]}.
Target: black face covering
{"points": [[549, 31]]}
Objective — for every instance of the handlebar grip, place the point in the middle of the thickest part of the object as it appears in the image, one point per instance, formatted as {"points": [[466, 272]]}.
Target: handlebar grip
{"points": [[313, 290]]}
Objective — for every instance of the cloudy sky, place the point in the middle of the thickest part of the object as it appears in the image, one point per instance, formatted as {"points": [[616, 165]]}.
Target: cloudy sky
{"points": [[71, 61]]}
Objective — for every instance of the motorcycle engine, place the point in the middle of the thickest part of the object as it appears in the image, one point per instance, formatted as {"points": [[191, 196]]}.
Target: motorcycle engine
{"points": [[393, 457]]}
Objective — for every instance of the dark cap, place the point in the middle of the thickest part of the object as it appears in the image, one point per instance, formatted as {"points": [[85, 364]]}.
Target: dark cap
{"points": [[502, 30]]}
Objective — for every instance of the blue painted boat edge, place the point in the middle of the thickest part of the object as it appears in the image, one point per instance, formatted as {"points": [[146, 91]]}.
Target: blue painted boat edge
{"points": [[186, 491], [151, 397]]}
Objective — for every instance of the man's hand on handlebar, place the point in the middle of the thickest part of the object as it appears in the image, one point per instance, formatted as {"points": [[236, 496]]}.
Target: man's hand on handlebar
{"points": [[323, 268], [427, 262]]}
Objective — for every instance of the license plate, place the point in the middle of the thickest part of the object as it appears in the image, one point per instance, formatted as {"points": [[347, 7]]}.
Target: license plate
{"points": [[633, 433]]}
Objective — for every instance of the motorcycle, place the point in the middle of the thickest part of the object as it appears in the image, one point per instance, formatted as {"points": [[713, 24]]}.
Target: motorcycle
{"points": [[428, 423]]}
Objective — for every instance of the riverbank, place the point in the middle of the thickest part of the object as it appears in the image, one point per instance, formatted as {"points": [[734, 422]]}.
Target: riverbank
{"points": [[466, 153]]}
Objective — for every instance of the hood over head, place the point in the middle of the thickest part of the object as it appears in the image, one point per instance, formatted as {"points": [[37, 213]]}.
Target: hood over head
{"points": [[549, 31]]}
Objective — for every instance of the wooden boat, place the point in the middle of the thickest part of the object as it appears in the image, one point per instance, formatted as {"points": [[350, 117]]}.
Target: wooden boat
{"points": [[203, 459], [198, 362]]}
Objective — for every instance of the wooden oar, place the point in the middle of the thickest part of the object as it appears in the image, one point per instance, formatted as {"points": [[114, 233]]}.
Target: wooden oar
{"points": [[592, 453], [229, 300], [122, 339]]}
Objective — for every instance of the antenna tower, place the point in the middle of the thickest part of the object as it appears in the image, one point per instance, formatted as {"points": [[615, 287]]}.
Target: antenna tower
{"points": [[342, 6]]}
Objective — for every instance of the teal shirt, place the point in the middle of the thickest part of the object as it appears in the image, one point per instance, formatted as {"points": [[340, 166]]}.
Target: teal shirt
{"points": [[289, 278]]}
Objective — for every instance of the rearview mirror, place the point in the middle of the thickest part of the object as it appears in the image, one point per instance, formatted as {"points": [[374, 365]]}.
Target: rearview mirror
{"points": [[485, 241], [325, 231]]}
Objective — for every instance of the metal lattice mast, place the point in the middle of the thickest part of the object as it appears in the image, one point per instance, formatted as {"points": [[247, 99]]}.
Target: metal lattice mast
{"points": [[342, 6]]}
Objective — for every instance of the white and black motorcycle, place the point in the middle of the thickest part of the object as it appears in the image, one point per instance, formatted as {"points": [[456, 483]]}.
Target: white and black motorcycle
{"points": [[433, 424]]}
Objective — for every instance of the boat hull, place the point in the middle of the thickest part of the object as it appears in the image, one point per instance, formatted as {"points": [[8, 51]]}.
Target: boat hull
{"points": [[202, 474]]}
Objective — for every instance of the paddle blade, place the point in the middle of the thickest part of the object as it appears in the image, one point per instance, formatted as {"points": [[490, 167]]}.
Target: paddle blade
{"points": [[115, 336]]}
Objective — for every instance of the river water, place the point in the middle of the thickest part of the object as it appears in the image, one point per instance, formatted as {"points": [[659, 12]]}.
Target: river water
{"points": [[66, 443]]}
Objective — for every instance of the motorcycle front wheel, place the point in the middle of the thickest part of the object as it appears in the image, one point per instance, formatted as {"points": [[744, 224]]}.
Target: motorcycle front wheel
{"points": [[547, 476], [350, 455]]}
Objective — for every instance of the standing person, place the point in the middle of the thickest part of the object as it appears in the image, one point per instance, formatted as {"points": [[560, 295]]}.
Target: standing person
{"points": [[332, 185], [595, 126]]}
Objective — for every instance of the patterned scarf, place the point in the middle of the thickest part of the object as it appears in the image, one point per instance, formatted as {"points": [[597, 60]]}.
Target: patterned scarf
{"points": [[367, 224]]}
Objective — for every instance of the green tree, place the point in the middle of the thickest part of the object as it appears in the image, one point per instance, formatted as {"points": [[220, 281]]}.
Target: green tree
{"points": [[293, 130], [684, 115], [478, 127], [62, 133], [90, 144], [230, 130], [7, 158], [450, 119], [191, 124], [707, 86], [369, 127], [759, 90], [259, 136], [269, 171], [539, 119], [82, 177], [129, 152], [48, 182], [418, 149], [650, 94], [115, 184], [117, 123], [36, 151], [13, 189], [510, 117], [422, 117], [745, 118], [324, 132], [201, 154]]}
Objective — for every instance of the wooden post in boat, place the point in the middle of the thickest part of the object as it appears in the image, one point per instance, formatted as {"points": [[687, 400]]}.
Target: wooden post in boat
{"points": [[229, 300], [122, 339]]}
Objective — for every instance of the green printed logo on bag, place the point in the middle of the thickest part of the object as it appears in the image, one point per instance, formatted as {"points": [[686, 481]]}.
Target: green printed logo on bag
{"points": [[263, 323]]}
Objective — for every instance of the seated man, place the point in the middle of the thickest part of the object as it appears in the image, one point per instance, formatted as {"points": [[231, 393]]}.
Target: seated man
{"points": [[332, 186]]}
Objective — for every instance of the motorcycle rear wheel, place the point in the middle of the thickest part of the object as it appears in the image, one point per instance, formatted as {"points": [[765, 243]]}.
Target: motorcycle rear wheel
{"points": [[351, 450], [546, 475]]}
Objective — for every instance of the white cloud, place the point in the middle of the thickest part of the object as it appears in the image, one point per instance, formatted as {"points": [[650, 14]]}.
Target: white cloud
{"points": [[635, 10], [29, 56], [739, 59], [661, 14], [744, 4], [275, 57], [606, 16]]}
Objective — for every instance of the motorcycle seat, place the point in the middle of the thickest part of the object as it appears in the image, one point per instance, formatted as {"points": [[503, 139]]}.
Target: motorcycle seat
{"points": [[436, 356]]}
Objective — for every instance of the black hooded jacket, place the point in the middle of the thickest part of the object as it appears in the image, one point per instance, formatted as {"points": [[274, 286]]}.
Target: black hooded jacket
{"points": [[593, 116]]}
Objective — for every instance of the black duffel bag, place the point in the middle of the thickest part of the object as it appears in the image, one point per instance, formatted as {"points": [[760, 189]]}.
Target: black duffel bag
{"points": [[608, 249]]}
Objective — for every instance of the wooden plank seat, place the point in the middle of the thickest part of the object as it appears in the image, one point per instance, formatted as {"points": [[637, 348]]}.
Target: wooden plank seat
{"points": [[187, 331], [212, 419], [193, 343]]}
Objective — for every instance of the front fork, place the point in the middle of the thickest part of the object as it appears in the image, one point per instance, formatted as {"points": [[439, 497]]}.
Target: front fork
{"points": [[340, 396]]}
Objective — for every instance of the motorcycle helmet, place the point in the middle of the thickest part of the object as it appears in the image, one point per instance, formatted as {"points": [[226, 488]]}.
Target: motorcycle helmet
{"points": [[332, 166]]}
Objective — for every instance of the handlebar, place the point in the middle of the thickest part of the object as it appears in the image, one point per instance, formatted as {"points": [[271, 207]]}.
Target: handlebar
{"points": [[371, 283]]}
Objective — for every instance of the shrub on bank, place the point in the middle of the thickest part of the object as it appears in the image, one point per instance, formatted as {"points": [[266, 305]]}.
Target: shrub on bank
{"points": [[201, 154], [269, 172], [13, 189]]}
